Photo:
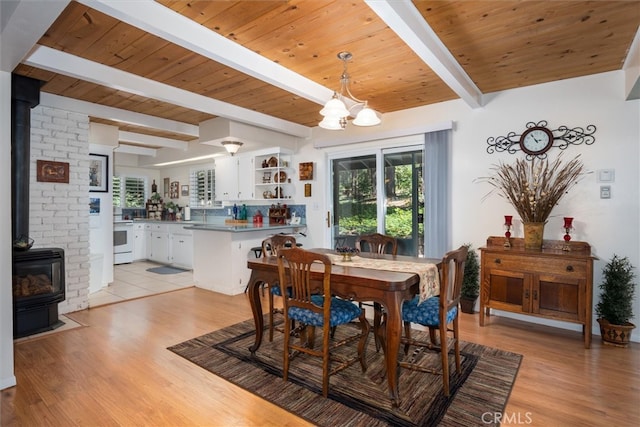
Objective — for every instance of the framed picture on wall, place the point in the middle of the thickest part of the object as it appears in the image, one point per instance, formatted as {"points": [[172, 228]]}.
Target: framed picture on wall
{"points": [[49, 171], [99, 173], [173, 191], [305, 171], [166, 188], [184, 191]]}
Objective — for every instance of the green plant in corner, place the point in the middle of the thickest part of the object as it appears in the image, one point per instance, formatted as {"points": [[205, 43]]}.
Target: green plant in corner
{"points": [[615, 307], [470, 282]]}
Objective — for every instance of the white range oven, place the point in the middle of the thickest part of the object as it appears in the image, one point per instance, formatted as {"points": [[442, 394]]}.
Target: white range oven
{"points": [[122, 242]]}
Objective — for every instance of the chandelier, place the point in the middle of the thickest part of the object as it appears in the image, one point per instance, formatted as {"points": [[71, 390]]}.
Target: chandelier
{"points": [[335, 111]]}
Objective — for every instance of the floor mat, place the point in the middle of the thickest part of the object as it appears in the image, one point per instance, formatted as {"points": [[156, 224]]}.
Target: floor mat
{"points": [[166, 270]]}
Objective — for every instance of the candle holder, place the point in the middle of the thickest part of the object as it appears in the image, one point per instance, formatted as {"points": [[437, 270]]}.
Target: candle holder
{"points": [[568, 226], [507, 234]]}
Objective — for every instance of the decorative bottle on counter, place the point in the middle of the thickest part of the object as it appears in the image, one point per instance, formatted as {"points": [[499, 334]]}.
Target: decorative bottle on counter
{"points": [[243, 212], [235, 211]]}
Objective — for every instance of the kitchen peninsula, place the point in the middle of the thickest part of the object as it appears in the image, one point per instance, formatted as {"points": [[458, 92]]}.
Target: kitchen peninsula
{"points": [[220, 252]]}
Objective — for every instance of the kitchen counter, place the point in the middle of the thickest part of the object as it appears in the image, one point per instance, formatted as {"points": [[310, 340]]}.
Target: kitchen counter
{"points": [[220, 252], [238, 228]]}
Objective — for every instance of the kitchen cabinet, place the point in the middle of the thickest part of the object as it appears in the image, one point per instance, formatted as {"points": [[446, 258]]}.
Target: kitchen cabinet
{"points": [[139, 242], [274, 174], [157, 242], [167, 243], [234, 178], [222, 266], [182, 248], [551, 283]]}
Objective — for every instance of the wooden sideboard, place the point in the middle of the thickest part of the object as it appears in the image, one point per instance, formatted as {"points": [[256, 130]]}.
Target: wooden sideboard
{"points": [[551, 283]]}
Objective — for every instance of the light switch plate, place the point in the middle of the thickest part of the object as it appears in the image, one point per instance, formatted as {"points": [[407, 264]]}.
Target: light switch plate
{"points": [[605, 191], [606, 175]]}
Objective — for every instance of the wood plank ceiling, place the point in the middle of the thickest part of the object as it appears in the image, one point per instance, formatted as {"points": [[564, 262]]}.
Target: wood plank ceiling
{"points": [[499, 44]]}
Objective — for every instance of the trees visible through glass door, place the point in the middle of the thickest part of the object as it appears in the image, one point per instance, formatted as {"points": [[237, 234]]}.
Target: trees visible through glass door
{"points": [[368, 198]]}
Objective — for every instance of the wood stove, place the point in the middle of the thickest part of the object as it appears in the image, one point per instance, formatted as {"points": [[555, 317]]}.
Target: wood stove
{"points": [[38, 280], [38, 285]]}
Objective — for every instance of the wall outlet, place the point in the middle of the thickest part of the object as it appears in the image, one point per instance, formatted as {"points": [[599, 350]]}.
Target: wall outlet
{"points": [[605, 191]]}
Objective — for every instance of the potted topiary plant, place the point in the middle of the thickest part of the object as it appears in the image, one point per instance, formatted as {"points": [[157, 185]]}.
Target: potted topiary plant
{"points": [[615, 307], [470, 282]]}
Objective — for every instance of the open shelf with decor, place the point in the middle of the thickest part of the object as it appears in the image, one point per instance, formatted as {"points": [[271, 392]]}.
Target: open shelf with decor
{"points": [[154, 210], [274, 175]]}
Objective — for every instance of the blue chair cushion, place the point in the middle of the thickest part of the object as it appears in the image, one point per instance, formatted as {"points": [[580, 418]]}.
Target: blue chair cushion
{"points": [[341, 312], [425, 314], [275, 289]]}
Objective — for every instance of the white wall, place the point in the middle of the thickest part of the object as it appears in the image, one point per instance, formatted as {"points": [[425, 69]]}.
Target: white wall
{"points": [[59, 212], [611, 226], [7, 377]]}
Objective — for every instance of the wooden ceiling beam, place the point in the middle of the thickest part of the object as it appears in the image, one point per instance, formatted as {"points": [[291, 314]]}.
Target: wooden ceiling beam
{"points": [[410, 26], [70, 65], [29, 21], [118, 115], [163, 22]]}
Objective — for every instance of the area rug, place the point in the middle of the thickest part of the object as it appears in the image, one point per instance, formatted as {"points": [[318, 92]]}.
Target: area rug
{"points": [[356, 398], [165, 269]]}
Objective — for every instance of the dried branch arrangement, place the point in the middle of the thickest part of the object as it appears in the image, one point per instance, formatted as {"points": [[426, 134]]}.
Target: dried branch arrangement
{"points": [[535, 187]]}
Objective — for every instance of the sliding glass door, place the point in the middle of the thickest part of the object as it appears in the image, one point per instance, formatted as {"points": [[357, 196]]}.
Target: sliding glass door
{"points": [[404, 200], [379, 192]]}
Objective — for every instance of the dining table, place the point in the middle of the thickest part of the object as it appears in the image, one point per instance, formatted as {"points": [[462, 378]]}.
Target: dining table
{"points": [[368, 277]]}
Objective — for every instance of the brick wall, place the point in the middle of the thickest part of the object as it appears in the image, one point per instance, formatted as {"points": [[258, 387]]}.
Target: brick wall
{"points": [[59, 213]]}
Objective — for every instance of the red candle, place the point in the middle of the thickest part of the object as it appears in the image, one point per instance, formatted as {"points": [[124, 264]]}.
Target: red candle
{"points": [[508, 218], [568, 221]]}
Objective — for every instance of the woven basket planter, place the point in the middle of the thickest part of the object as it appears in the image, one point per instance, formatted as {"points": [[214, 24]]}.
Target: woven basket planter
{"points": [[617, 335]]}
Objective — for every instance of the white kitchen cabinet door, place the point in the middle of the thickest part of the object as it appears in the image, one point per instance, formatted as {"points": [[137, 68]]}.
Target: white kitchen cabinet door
{"points": [[245, 178], [160, 247], [148, 238], [182, 250], [234, 178], [226, 179], [139, 242]]}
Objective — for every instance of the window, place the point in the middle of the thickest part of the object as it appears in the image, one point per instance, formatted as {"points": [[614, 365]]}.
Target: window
{"points": [[129, 192], [203, 186]]}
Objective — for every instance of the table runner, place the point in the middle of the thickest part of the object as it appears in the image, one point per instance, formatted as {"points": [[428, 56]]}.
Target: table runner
{"points": [[428, 273]]}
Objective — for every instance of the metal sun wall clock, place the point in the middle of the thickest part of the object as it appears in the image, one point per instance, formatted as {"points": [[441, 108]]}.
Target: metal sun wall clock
{"points": [[538, 138]]}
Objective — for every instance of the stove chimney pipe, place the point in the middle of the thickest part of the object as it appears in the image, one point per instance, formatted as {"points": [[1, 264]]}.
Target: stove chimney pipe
{"points": [[25, 94]]}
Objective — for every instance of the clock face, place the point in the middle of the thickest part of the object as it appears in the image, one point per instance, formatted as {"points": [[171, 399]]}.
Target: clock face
{"points": [[536, 140]]}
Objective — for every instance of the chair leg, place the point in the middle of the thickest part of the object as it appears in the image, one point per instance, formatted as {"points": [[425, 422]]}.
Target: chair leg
{"points": [[444, 354], [270, 314], [311, 336], [432, 336], [407, 334], [285, 353], [326, 331], [456, 343]]}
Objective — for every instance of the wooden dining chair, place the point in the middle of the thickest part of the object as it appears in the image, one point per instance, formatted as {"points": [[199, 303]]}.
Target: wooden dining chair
{"points": [[380, 244], [309, 309], [438, 313], [377, 243], [270, 247]]}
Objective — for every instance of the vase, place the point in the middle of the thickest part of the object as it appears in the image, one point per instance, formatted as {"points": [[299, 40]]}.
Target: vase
{"points": [[533, 232]]}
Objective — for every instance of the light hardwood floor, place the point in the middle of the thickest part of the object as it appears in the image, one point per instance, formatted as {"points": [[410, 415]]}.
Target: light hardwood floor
{"points": [[116, 370]]}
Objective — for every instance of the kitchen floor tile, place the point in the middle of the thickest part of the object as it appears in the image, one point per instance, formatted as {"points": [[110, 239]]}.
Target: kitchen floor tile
{"points": [[133, 281]]}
